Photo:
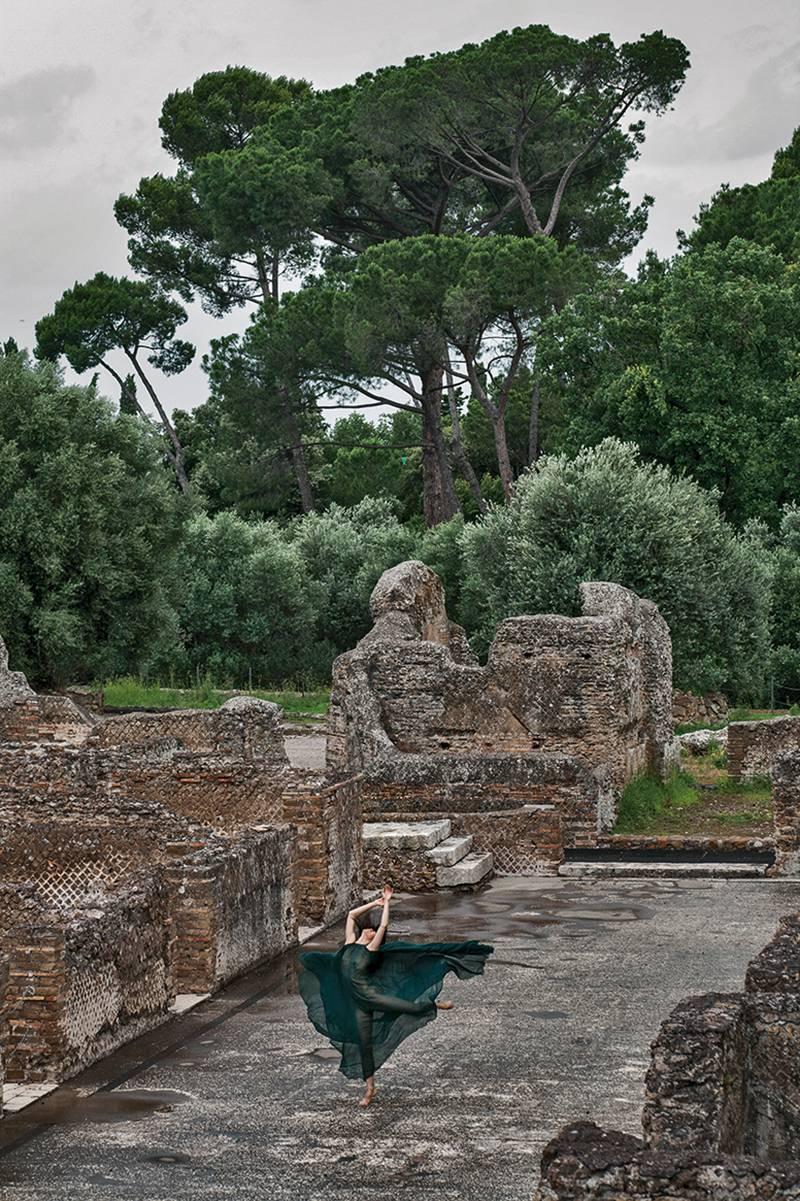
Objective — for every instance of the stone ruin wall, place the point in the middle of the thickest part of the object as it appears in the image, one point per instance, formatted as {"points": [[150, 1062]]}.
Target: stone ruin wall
{"points": [[80, 986], [232, 907], [721, 1120], [786, 813], [565, 711], [754, 746], [690, 707], [525, 841], [205, 804]]}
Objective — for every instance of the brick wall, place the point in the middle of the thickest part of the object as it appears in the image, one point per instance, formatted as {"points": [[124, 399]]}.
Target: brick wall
{"points": [[753, 746], [36, 719], [81, 985], [327, 818], [786, 813], [710, 707], [232, 907], [452, 784], [3, 1018]]}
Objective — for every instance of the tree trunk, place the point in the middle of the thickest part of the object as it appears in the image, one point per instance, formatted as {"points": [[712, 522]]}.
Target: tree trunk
{"points": [[176, 455], [459, 453], [533, 426], [440, 501], [503, 460], [300, 465]]}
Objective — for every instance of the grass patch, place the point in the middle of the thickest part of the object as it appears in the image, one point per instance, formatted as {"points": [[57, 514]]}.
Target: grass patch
{"points": [[130, 693], [647, 799], [689, 727], [756, 714], [703, 800], [741, 714]]}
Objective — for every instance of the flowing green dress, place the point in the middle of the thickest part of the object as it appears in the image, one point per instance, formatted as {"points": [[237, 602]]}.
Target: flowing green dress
{"points": [[366, 1002]]}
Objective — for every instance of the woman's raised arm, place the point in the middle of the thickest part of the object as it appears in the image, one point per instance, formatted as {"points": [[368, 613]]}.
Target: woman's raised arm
{"points": [[380, 933], [350, 933]]}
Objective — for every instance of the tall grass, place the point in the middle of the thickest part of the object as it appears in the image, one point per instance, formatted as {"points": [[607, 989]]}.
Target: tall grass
{"points": [[647, 797]]}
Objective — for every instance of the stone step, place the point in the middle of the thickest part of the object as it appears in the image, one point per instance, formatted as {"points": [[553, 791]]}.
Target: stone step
{"points": [[405, 836], [693, 871], [452, 850], [470, 870]]}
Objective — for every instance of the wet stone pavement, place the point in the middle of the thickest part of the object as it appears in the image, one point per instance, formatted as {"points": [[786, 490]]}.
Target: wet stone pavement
{"points": [[240, 1098]]}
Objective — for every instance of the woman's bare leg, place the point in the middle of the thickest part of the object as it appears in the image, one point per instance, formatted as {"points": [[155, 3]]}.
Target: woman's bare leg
{"points": [[364, 1023], [369, 1094]]}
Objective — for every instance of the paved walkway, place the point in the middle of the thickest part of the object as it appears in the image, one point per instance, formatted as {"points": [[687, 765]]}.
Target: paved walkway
{"points": [[240, 1098]]}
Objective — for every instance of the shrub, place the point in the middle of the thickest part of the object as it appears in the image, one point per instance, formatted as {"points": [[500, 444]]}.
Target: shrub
{"points": [[606, 515], [246, 609], [343, 553], [89, 526]]}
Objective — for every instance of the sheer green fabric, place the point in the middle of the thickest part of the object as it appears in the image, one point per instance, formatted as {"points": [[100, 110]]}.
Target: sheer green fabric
{"points": [[366, 1002]]}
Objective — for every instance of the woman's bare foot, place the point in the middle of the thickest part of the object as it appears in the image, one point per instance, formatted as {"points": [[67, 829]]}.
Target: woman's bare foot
{"points": [[444, 1005], [369, 1096]]}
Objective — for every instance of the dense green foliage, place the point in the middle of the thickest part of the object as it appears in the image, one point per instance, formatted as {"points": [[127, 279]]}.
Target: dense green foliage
{"points": [[451, 230], [607, 515], [697, 362], [89, 527]]}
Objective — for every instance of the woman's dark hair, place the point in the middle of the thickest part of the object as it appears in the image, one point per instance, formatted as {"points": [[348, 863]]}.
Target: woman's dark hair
{"points": [[368, 921]]}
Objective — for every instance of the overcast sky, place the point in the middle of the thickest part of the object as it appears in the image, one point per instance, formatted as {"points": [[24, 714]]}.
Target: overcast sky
{"points": [[83, 82]]}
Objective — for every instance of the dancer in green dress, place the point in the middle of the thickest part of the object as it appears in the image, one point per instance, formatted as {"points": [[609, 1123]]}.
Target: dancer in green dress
{"points": [[370, 995]]}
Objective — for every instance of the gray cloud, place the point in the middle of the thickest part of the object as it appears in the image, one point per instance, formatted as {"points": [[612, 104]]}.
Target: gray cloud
{"points": [[761, 116], [35, 108]]}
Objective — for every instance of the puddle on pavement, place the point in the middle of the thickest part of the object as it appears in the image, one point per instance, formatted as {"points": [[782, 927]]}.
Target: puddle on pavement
{"points": [[69, 1105], [323, 1053], [168, 1158], [512, 914]]}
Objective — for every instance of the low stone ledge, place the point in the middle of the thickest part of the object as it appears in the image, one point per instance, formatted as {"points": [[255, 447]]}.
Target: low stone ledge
{"points": [[585, 1163], [689, 843]]}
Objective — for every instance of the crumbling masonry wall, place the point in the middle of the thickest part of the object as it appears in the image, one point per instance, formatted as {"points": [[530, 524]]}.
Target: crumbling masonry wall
{"points": [[232, 907], [565, 711], [225, 769], [81, 984], [722, 1113], [754, 746], [786, 813], [236, 845]]}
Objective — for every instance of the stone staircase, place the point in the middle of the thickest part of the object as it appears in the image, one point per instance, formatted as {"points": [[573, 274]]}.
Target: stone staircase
{"points": [[415, 856]]}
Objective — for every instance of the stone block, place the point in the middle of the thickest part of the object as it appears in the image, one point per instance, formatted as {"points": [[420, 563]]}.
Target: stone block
{"points": [[470, 870], [451, 851], [408, 836]]}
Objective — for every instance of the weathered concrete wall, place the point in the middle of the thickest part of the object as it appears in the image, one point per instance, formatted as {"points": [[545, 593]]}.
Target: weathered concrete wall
{"points": [[753, 746], [82, 984], [722, 1115], [565, 711]]}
